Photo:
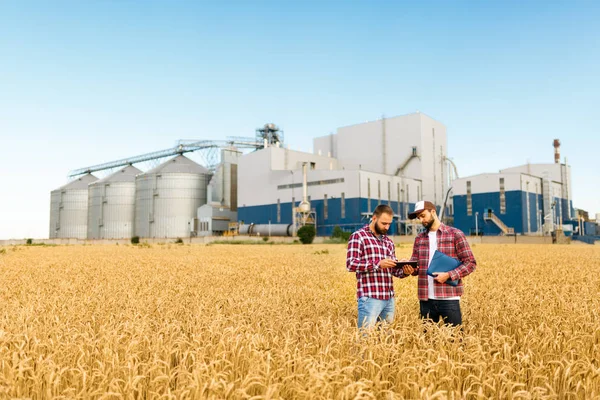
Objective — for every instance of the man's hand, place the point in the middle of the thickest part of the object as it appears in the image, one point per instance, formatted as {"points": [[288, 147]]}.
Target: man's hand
{"points": [[407, 269], [441, 277], [387, 263]]}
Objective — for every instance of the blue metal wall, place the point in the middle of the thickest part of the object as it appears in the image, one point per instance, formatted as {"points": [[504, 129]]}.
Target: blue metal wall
{"points": [[590, 229], [515, 215], [565, 206], [352, 221]]}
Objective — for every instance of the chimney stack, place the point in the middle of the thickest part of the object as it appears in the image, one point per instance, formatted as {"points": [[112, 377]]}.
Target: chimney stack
{"points": [[557, 151]]}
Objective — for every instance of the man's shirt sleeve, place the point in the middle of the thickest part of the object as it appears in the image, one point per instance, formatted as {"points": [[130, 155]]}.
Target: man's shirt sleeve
{"points": [[465, 255], [355, 257]]}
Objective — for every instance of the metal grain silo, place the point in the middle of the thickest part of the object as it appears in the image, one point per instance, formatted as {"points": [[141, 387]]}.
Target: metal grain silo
{"points": [[167, 198], [111, 205], [69, 208]]}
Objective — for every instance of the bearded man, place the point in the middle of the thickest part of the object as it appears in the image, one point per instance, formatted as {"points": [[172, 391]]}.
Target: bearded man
{"points": [[372, 257]]}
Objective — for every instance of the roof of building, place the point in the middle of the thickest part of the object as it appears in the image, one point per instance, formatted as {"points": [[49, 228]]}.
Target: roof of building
{"points": [[126, 174], [179, 164], [80, 183]]}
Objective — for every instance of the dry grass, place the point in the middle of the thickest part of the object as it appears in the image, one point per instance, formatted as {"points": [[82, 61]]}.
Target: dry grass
{"points": [[278, 321]]}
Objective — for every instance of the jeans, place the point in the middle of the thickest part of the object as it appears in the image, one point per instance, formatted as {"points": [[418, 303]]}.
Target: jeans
{"points": [[371, 311], [449, 310]]}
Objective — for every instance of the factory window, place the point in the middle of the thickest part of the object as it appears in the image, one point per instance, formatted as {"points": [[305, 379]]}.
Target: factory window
{"points": [[312, 183], [502, 197], [343, 205], [313, 165], [407, 194], [368, 195], [278, 211], [418, 193], [379, 190], [389, 193], [325, 213], [469, 199]]}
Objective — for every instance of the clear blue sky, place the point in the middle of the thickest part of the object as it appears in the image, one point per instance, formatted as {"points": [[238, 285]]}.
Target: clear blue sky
{"points": [[86, 82]]}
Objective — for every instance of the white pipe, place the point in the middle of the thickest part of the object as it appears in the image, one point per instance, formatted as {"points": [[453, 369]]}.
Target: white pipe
{"points": [[304, 183]]}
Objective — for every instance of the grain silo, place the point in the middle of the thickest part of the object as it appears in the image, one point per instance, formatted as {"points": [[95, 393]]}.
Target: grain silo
{"points": [[69, 208], [111, 208], [167, 198]]}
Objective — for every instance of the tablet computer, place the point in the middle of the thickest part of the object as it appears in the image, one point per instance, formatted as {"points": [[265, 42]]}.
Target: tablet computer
{"points": [[402, 263]]}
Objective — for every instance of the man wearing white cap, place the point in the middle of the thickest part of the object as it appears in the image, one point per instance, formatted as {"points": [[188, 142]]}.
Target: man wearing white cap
{"points": [[437, 298]]}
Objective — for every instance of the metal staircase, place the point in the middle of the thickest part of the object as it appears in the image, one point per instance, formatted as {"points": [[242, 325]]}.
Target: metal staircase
{"points": [[490, 216]]}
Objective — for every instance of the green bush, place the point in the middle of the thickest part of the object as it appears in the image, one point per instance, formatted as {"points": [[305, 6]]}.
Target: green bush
{"points": [[306, 234], [179, 241], [265, 238], [29, 241], [340, 234], [135, 240]]}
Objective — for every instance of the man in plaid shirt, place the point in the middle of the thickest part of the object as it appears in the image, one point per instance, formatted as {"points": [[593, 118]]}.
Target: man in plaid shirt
{"points": [[372, 256], [437, 298]]}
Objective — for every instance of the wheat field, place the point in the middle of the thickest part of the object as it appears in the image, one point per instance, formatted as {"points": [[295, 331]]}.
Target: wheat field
{"points": [[279, 321]]}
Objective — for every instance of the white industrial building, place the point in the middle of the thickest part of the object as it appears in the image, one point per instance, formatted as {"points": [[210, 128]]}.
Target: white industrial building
{"points": [[413, 146], [395, 161]]}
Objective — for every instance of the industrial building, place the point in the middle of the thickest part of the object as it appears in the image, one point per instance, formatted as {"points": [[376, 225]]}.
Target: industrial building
{"points": [[531, 199], [270, 190], [217, 216], [274, 190], [583, 225], [176, 199], [394, 161]]}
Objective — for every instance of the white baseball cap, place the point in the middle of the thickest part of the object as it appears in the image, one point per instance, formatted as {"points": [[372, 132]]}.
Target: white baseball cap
{"points": [[420, 207]]}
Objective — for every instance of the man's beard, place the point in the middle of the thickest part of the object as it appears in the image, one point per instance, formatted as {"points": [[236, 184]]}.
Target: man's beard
{"points": [[427, 225], [380, 231]]}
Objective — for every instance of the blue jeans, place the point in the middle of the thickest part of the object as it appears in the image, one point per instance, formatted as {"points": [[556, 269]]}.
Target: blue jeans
{"points": [[371, 311], [448, 310]]}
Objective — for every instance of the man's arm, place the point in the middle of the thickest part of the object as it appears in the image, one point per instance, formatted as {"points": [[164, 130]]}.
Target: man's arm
{"points": [[465, 256], [396, 271], [408, 270], [415, 255], [355, 260]]}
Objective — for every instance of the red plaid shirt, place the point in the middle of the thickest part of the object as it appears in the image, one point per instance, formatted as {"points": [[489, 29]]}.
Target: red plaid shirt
{"points": [[365, 251], [453, 243]]}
